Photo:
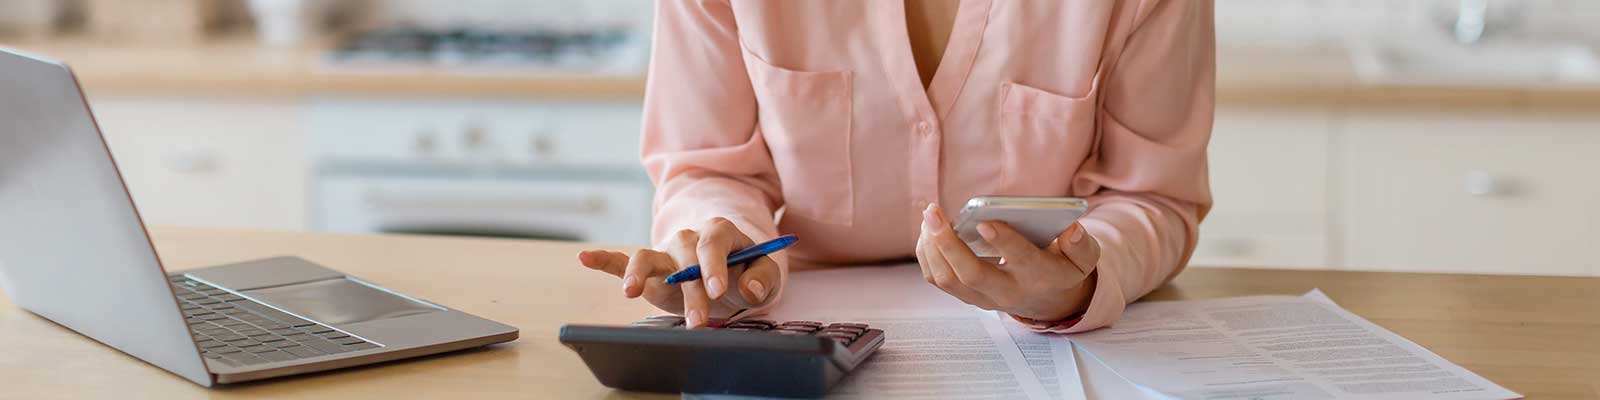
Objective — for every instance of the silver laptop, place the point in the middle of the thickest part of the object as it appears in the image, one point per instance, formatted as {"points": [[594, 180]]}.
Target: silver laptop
{"points": [[74, 250]]}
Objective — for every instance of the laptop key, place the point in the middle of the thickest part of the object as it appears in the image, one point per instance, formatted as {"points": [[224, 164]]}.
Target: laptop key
{"points": [[261, 349], [229, 337], [269, 338], [276, 355], [349, 341], [245, 343], [302, 351], [324, 346], [283, 344], [225, 350]]}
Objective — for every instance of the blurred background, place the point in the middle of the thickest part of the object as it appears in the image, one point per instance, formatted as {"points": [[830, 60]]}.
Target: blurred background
{"points": [[1402, 135]]}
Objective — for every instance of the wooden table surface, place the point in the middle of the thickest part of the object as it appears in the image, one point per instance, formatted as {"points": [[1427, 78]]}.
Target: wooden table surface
{"points": [[1539, 336]]}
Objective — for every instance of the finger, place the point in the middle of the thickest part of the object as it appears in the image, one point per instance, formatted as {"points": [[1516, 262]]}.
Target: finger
{"points": [[760, 281], [644, 265], [1081, 248], [656, 290], [718, 238], [940, 274], [922, 258], [968, 268], [610, 262], [1012, 246], [696, 304]]}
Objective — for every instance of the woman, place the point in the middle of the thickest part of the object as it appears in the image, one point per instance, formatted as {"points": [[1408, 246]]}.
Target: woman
{"points": [[808, 117]]}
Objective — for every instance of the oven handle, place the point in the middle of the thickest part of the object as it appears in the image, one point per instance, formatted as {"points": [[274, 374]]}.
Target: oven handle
{"points": [[592, 204]]}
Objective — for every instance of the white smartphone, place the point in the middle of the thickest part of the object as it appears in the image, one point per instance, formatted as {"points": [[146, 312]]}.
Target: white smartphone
{"points": [[1039, 219]]}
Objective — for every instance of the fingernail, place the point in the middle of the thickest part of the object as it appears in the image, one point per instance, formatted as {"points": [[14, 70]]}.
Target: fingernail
{"points": [[696, 319], [714, 286], [757, 289], [927, 219], [986, 231], [1077, 234], [629, 282]]}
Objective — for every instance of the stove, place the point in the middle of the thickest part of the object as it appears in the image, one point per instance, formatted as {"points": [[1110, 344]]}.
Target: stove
{"points": [[589, 50]]}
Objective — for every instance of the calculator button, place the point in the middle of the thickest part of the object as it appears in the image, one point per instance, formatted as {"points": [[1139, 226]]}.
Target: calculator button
{"points": [[842, 328], [812, 324], [844, 335], [787, 332], [761, 325], [852, 325], [844, 340], [668, 318]]}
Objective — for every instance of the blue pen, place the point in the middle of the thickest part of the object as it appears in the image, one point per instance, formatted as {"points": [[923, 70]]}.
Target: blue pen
{"points": [[736, 258]]}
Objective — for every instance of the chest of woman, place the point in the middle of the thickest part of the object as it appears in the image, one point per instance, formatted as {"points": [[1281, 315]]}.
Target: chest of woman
{"points": [[861, 145]]}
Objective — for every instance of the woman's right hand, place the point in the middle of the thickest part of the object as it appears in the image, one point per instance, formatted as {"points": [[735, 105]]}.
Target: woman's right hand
{"points": [[645, 273]]}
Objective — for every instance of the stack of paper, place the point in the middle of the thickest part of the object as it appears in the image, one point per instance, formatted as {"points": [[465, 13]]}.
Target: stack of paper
{"points": [[1264, 347], [1271, 347]]}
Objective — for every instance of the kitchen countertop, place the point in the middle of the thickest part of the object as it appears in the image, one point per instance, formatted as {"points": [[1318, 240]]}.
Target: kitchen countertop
{"points": [[1534, 335], [1327, 76], [239, 66]]}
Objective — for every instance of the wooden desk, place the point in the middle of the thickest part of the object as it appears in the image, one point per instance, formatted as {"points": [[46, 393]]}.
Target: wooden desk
{"points": [[1539, 336]]}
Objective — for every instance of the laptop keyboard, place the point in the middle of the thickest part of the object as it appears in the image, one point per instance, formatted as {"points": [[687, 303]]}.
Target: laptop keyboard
{"points": [[237, 331]]}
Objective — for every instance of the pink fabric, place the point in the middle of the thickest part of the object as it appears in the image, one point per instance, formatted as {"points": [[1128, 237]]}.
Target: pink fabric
{"points": [[816, 108]]}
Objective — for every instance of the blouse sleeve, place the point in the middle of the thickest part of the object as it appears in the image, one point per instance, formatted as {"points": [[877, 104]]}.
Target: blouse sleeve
{"points": [[1148, 186], [699, 141]]}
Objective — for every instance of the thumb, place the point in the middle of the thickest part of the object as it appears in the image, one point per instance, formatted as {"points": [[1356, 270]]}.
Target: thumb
{"points": [[1080, 247]]}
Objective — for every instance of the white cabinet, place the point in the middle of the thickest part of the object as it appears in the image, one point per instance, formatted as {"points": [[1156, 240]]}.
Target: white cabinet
{"points": [[1268, 170], [1513, 190], [1471, 191], [230, 162]]}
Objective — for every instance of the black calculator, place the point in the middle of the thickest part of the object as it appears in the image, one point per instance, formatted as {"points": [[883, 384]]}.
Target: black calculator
{"points": [[746, 357]]}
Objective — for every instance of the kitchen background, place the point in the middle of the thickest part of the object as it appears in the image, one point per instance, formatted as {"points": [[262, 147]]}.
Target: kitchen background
{"points": [[1416, 135]]}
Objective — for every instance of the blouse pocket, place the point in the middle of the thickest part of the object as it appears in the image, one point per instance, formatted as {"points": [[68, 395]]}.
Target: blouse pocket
{"points": [[1044, 138], [805, 118]]}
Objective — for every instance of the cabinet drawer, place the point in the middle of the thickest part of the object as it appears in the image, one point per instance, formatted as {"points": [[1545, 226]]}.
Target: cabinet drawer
{"points": [[230, 162], [1501, 192], [1268, 168]]}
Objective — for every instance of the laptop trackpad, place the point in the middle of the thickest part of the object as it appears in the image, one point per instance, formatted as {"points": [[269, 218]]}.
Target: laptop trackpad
{"points": [[339, 301]]}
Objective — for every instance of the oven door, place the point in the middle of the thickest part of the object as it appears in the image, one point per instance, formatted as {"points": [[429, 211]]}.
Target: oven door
{"points": [[605, 211]]}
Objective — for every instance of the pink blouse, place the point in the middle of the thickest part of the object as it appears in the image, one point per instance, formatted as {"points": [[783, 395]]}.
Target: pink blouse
{"points": [[808, 117]]}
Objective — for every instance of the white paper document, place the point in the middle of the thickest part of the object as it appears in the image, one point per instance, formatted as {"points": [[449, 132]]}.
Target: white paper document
{"points": [[1051, 359], [941, 356], [935, 347], [1272, 347]]}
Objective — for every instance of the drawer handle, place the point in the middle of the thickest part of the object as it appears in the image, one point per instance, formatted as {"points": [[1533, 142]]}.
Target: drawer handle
{"points": [[1481, 183]]}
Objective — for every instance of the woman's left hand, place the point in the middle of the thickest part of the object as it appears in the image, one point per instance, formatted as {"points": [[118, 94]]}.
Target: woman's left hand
{"points": [[1045, 284]]}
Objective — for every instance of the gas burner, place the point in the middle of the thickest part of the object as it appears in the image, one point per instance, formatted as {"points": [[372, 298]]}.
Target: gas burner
{"points": [[550, 49]]}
